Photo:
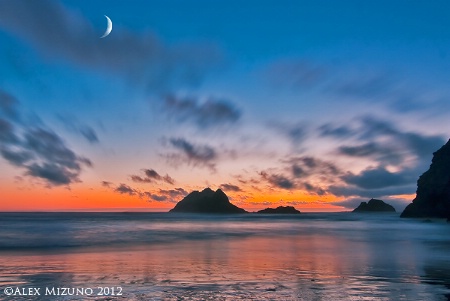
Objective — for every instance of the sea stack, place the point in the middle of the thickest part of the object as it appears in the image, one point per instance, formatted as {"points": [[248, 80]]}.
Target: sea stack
{"points": [[280, 210], [433, 188], [374, 205], [206, 201]]}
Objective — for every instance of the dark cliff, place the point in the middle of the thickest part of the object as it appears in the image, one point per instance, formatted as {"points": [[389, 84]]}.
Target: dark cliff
{"points": [[374, 205], [433, 188], [206, 201], [280, 210]]}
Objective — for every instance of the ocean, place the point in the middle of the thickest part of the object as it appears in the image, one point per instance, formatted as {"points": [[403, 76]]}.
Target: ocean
{"points": [[164, 256]]}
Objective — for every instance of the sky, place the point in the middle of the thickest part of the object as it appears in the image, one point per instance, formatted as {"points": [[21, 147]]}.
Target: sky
{"points": [[314, 104]]}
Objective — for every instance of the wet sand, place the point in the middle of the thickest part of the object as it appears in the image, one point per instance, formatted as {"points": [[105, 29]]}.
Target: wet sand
{"points": [[321, 258]]}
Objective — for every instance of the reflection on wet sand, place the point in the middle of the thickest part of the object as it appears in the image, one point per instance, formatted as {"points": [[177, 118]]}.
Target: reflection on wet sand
{"points": [[173, 257], [292, 267]]}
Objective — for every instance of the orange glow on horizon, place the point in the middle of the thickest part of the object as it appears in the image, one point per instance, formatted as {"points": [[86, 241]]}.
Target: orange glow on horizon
{"points": [[105, 199]]}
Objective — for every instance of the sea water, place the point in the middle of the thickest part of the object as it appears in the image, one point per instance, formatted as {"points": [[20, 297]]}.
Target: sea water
{"points": [[164, 256]]}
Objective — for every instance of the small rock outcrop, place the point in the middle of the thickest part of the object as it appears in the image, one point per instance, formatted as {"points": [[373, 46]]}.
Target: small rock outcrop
{"points": [[374, 205], [280, 210], [433, 188], [206, 201]]}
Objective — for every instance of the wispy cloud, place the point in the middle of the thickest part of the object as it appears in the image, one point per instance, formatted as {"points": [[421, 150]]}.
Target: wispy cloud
{"points": [[376, 178], [125, 189], [230, 187], [306, 166], [192, 154], [106, 184], [74, 125], [278, 180], [383, 141], [57, 31], [151, 176], [161, 195], [398, 157], [172, 195], [211, 112], [296, 133], [37, 149], [295, 74]]}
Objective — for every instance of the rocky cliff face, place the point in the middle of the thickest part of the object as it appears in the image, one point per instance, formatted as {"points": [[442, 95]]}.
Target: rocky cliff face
{"points": [[433, 188], [374, 205], [206, 201]]}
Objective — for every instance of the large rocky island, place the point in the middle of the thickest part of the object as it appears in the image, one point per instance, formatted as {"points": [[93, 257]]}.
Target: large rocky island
{"points": [[280, 210], [206, 201], [374, 205], [433, 188]]}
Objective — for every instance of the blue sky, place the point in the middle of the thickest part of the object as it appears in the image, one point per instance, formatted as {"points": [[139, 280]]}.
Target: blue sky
{"points": [[330, 101]]}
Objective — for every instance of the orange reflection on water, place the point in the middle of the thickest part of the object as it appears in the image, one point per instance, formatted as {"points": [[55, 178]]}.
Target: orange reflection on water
{"points": [[290, 265]]}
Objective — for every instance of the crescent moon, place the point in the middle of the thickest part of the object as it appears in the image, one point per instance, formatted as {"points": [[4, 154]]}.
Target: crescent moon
{"points": [[108, 27]]}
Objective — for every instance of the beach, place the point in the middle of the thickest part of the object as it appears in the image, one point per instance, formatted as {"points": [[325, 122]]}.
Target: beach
{"points": [[162, 256]]}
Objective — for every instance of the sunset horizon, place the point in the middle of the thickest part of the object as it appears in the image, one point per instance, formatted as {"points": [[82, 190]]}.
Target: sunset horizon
{"points": [[293, 106], [224, 150]]}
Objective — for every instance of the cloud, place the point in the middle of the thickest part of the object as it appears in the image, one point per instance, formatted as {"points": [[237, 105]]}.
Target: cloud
{"points": [[294, 74], [387, 154], [306, 166], [305, 173], [363, 86], [161, 195], [296, 133], [171, 195], [107, 184], [125, 189], [376, 178], [52, 173], [281, 181], [398, 157], [37, 149], [396, 92], [139, 179], [89, 134], [278, 180], [152, 176], [331, 130], [230, 187], [312, 188], [196, 155], [8, 104], [210, 113], [382, 141], [158, 198], [72, 124], [7, 134], [354, 191], [58, 32]]}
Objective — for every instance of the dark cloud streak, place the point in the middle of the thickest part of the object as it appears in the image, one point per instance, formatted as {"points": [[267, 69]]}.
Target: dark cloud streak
{"points": [[38, 150], [152, 176], [125, 189], [278, 180], [196, 155], [230, 187], [210, 113]]}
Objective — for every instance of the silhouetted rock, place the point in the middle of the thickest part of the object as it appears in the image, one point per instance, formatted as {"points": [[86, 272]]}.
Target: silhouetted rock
{"points": [[206, 201], [280, 210], [374, 205], [433, 188]]}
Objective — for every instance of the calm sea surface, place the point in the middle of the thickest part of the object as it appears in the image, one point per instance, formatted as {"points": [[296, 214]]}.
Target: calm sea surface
{"points": [[163, 256]]}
